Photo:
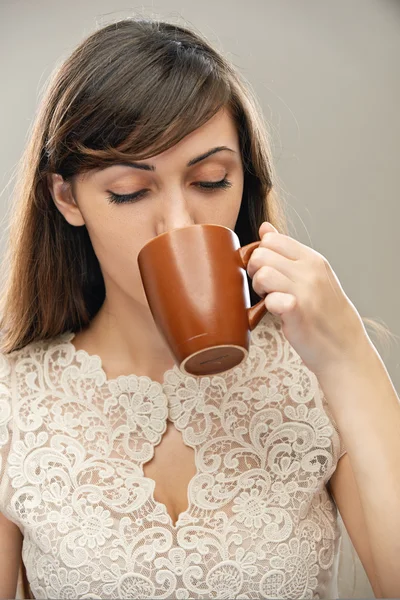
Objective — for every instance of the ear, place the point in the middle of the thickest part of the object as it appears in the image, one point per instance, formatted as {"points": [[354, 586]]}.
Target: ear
{"points": [[64, 200]]}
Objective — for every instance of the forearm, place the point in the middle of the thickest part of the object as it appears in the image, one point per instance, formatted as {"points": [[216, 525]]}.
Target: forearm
{"points": [[366, 409]]}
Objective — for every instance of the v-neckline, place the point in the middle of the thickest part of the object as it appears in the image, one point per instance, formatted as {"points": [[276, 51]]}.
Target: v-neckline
{"points": [[67, 338], [175, 526]]}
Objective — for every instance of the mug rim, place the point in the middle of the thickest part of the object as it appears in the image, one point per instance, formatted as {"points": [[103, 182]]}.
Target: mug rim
{"points": [[185, 227]]}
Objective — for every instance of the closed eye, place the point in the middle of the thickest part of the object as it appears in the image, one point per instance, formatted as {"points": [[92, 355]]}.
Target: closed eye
{"points": [[207, 186]]}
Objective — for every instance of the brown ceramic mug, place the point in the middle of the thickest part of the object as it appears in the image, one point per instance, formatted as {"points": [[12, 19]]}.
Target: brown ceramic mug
{"points": [[196, 286]]}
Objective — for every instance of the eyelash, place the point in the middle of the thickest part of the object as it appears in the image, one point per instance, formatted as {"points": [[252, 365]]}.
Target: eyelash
{"points": [[207, 186]]}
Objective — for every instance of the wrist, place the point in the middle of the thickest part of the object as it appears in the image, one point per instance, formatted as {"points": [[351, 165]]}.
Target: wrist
{"points": [[359, 363]]}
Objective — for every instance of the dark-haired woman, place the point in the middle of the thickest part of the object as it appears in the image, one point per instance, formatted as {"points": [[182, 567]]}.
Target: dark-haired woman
{"points": [[120, 476]]}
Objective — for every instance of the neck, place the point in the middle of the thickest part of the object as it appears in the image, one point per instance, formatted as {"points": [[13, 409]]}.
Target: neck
{"points": [[124, 335]]}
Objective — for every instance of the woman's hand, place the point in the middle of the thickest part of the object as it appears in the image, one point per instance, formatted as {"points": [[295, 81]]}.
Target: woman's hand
{"points": [[318, 319]]}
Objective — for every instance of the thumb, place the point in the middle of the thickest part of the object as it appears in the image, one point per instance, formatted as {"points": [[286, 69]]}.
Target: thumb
{"points": [[266, 227]]}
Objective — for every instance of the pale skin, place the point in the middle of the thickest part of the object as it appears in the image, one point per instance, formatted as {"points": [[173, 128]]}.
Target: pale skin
{"points": [[123, 333]]}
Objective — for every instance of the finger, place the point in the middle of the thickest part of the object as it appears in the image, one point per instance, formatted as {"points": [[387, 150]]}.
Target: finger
{"points": [[278, 303], [265, 227], [262, 256], [284, 245], [267, 280]]}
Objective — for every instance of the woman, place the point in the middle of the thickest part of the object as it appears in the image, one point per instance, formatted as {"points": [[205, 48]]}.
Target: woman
{"points": [[125, 478]]}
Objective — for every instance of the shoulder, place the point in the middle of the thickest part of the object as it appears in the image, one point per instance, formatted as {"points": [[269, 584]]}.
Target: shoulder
{"points": [[8, 390], [21, 374], [6, 413], [6, 361], [14, 369], [5, 396], [14, 366], [268, 337], [32, 357], [294, 390]]}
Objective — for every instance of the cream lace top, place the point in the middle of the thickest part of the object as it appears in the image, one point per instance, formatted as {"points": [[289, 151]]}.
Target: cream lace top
{"points": [[260, 521]]}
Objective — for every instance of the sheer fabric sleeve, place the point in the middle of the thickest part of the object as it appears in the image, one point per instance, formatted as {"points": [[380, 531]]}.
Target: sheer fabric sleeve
{"points": [[5, 422], [327, 409], [342, 449]]}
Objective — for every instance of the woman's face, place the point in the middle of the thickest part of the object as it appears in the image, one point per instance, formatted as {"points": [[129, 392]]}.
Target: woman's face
{"points": [[170, 197]]}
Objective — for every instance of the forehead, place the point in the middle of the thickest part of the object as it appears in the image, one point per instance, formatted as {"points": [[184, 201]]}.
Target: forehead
{"points": [[218, 131]]}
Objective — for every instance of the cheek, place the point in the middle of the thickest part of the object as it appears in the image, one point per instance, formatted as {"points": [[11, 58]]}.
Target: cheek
{"points": [[226, 213], [221, 210], [116, 242]]}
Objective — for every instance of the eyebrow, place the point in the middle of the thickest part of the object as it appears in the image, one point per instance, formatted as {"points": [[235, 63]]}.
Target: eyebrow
{"points": [[148, 167]]}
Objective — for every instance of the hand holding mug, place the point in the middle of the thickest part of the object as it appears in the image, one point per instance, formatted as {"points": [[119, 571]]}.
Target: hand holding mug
{"points": [[300, 286]]}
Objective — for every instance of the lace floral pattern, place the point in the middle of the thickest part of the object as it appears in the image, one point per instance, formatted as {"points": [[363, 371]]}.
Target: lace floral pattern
{"points": [[260, 522]]}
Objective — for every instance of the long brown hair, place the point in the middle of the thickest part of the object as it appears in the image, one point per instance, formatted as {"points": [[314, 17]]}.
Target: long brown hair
{"points": [[130, 90]]}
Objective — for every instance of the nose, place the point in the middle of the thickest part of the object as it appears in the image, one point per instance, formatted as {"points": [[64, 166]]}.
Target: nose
{"points": [[175, 213]]}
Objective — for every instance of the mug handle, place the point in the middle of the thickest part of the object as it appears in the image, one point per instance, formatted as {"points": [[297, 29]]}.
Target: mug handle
{"points": [[256, 312]]}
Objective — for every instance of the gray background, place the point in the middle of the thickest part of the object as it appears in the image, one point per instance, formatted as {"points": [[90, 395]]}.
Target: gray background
{"points": [[328, 80]]}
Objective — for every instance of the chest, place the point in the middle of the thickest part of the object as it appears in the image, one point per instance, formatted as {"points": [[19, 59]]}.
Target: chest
{"points": [[171, 469], [247, 470]]}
